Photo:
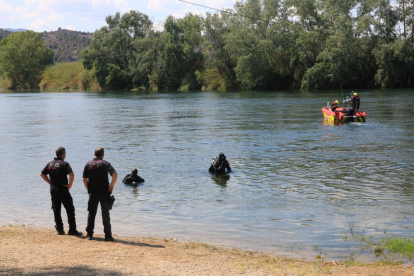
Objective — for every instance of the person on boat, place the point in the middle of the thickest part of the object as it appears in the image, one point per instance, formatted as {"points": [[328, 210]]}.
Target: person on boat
{"points": [[219, 164], [355, 101], [334, 105], [133, 178], [351, 109]]}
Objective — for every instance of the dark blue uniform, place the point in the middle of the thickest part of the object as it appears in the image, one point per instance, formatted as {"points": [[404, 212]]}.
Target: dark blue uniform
{"points": [[58, 171], [96, 171]]}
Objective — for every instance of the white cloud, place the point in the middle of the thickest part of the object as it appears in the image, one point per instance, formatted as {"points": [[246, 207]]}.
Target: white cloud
{"points": [[120, 5], [32, 15], [12, 11], [199, 13], [43, 5], [220, 4], [178, 15], [11, 17], [71, 27], [157, 4], [5, 7], [40, 23], [85, 19], [54, 17]]}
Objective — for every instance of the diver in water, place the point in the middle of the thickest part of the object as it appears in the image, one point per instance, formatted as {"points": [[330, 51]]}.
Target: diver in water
{"points": [[334, 105], [133, 178], [219, 164]]}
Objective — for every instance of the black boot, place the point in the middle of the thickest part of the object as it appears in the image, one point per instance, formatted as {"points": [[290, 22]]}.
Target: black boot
{"points": [[74, 233]]}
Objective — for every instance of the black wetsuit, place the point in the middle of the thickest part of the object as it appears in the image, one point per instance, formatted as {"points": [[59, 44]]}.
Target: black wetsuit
{"points": [[356, 102], [219, 166], [351, 110], [334, 106], [131, 179]]}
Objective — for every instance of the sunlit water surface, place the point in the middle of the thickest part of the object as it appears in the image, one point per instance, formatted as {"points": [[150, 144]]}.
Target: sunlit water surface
{"points": [[297, 186]]}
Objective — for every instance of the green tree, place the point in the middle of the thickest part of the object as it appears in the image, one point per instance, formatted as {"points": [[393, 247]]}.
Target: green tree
{"points": [[396, 64], [219, 62], [179, 54], [261, 40], [112, 50], [23, 59], [386, 21]]}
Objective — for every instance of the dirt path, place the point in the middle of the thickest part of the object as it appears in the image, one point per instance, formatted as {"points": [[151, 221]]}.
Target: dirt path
{"points": [[32, 251]]}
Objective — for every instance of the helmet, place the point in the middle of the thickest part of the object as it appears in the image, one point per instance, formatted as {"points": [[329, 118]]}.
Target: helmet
{"points": [[352, 93], [222, 156], [355, 94], [336, 102], [135, 171]]}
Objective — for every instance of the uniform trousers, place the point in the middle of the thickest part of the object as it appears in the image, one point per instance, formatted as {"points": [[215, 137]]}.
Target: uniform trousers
{"points": [[94, 200], [61, 195]]}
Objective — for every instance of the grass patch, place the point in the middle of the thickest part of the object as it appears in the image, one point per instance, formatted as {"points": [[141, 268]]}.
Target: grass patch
{"points": [[381, 246], [200, 245], [68, 76], [400, 245]]}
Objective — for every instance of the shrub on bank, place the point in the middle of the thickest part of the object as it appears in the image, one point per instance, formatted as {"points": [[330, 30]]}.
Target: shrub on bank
{"points": [[4, 82], [68, 76]]}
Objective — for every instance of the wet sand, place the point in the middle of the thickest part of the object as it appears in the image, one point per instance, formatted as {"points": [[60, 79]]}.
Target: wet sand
{"points": [[34, 251]]}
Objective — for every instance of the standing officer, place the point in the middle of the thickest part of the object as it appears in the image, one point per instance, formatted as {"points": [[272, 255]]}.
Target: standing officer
{"points": [[95, 178], [58, 170]]}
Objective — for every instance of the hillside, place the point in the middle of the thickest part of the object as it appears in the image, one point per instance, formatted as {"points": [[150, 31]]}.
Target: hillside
{"points": [[4, 33], [66, 44], [15, 30]]}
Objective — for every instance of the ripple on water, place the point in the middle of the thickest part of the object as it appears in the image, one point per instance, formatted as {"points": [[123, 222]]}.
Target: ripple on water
{"points": [[294, 180]]}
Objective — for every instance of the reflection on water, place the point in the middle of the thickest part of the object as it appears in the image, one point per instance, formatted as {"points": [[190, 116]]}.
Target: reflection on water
{"points": [[294, 179], [221, 180]]}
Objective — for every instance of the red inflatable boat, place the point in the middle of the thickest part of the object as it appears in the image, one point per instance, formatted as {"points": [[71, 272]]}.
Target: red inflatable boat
{"points": [[339, 115]]}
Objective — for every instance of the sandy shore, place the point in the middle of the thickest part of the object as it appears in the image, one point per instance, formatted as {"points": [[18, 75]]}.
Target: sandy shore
{"points": [[33, 251]]}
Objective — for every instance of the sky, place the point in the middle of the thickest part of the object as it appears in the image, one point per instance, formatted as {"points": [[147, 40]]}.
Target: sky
{"points": [[89, 15]]}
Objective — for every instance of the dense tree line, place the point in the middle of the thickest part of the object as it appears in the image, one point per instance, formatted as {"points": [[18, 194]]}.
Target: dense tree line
{"points": [[269, 44], [23, 59]]}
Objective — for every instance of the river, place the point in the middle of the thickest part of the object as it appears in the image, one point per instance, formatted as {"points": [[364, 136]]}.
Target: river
{"points": [[298, 186]]}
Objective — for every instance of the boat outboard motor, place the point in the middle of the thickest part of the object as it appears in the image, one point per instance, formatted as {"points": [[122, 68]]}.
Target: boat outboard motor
{"points": [[350, 111]]}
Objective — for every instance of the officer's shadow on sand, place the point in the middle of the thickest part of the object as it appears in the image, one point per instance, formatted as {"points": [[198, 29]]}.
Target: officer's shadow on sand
{"points": [[221, 179], [99, 239]]}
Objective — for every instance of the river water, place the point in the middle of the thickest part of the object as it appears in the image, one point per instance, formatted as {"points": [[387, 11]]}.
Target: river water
{"points": [[297, 185]]}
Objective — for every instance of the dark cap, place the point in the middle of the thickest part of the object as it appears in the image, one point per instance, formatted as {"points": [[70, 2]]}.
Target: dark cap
{"points": [[135, 171], [222, 156]]}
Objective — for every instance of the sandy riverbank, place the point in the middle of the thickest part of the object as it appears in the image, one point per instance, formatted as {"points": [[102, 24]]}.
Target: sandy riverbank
{"points": [[33, 251]]}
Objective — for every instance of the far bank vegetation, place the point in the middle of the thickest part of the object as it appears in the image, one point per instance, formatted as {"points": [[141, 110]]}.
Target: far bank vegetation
{"points": [[68, 76], [269, 44]]}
